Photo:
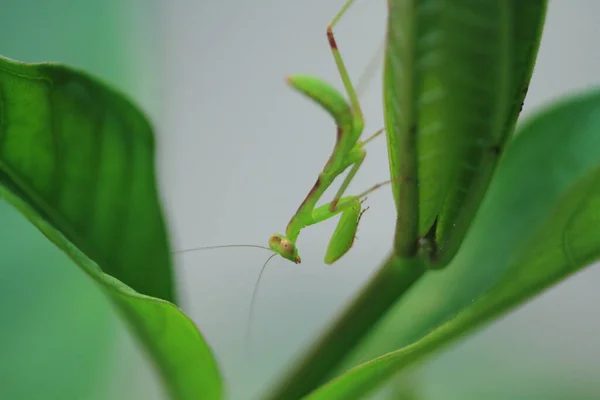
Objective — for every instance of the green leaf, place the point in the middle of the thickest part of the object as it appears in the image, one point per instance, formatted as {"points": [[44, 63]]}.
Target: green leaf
{"points": [[52, 347], [400, 93], [77, 159], [464, 58], [454, 83], [528, 19], [87, 168], [538, 224]]}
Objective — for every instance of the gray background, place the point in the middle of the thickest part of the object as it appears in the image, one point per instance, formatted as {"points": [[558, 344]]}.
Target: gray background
{"points": [[239, 150]]}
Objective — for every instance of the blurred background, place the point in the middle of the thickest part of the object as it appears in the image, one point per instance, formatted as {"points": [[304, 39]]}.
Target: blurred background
{"points": [[238, 151]]}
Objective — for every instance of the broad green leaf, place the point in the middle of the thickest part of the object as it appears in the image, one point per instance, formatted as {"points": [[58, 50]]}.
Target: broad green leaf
{"points": [[400, 92], [537, 225], [463, 101], [477, 155], [528, 19], [447, 94], [77, 159], [87, 168], [52, 347]]}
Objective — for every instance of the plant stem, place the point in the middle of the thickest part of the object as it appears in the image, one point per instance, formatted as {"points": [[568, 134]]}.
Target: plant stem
{"points": [[390, 283]]}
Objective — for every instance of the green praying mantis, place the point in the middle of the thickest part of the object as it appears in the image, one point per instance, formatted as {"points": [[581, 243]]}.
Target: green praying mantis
{"points": [[348, 152]]}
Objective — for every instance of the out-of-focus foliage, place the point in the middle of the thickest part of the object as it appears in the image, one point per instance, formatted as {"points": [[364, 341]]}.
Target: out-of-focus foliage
{"points": [[52, 347]]}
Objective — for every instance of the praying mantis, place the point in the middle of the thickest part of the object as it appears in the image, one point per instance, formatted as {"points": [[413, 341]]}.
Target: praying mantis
{"points": [[348, 152]]}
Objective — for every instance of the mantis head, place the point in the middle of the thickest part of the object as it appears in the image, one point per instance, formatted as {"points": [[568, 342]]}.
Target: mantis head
{"points": [[284, 247]]}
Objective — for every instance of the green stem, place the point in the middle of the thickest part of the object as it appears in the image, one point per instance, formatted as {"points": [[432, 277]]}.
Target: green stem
{"points": [[392, 281]]}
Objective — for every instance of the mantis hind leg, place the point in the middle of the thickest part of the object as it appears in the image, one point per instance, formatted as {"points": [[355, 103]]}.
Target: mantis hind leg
{"points": [[359, 155], [373, 136], [356, 110]]}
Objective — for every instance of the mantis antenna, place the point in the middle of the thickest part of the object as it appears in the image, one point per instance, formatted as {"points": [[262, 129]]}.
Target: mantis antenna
{"points": [[367, 75], [254, 292], [220, 247]]}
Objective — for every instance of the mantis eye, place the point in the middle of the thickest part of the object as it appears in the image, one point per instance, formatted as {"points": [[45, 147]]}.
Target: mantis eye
{"points": [[288, 250], [275, 242], [287, 247]]}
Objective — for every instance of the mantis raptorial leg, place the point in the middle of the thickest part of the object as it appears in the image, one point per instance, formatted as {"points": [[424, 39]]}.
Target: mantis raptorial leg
{"points": [[347, 153]]}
